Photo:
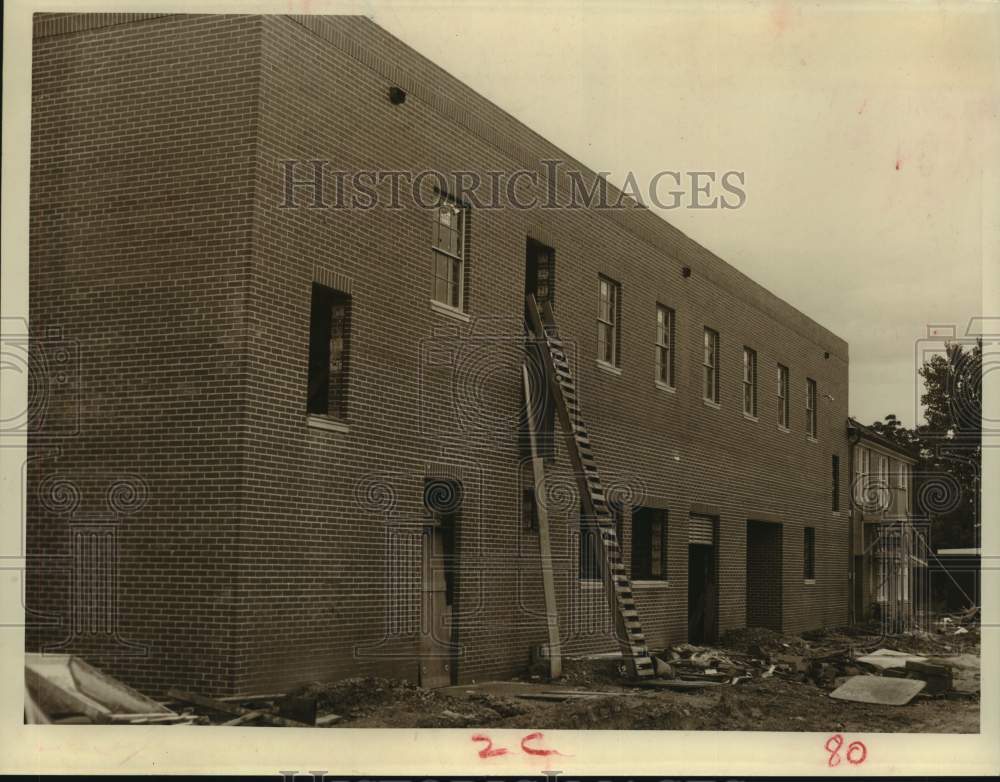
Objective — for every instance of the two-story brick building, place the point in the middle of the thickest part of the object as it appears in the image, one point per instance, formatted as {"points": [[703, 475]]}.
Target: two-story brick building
{"points": [[291, 414]]}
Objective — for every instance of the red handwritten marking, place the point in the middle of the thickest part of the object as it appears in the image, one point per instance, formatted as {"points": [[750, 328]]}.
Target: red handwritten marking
{"points": [[532, 750], [863, 104], [899, 163], [856, 745], [838, 741], [488, 751], [853, 748]]}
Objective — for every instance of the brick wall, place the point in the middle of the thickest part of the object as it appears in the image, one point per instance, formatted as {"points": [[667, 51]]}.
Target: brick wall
{"points": [[141, 192], [764, 564], [322, 530]]}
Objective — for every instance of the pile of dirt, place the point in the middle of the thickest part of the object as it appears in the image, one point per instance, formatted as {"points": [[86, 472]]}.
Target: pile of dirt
{"points": [[614, 713], [372, 701], [760, 642], [593, 673]]}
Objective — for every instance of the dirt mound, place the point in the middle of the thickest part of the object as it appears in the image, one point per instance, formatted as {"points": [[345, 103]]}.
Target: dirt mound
{"points": [[613, 713], [371, 701], [592, 673]]}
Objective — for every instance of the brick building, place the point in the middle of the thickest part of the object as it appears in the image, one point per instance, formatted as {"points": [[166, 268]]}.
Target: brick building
{"points": [[283, 416]]}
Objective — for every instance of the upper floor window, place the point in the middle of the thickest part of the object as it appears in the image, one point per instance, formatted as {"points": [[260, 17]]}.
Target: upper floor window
{"points": [[608, 321], [710, 366], [750, 382], [665, 345], [811, 407], [783, 412], [329, 332], [449, 255]]}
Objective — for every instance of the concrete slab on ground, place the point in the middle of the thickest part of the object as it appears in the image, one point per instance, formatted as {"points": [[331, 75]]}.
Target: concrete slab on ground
{"points": [[888, 691]]}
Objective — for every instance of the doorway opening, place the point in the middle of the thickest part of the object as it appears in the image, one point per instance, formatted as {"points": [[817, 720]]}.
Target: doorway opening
{"points": [[539, 272], [439, 627], [702, 580], [763, 592]]}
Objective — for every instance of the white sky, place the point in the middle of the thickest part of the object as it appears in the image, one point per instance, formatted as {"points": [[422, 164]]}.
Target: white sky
{"points": [[815, 104]]}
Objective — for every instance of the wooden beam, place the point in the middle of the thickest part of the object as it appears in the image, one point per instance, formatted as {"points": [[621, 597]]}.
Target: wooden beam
{"points": [[233, 710], [544, 543]]}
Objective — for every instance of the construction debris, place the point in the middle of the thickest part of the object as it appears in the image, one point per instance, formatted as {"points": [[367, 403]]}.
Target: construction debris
{"points": [[884, 659], [879, 689], [62, 688], [233, 710]]}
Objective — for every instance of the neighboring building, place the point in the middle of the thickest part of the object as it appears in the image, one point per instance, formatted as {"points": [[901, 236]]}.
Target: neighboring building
{"points": [[889, 549], [290, 417]]}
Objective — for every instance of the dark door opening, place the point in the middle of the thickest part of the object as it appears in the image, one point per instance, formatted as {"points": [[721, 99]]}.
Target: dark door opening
{"points": [[539, 272], [764, 593], [439, 579], [701, 593]]}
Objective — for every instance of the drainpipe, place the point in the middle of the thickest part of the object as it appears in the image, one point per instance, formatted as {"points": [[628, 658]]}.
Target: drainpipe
{"points": [[853, 438]]}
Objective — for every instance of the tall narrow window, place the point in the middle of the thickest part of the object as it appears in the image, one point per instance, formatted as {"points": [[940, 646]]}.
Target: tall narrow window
{"points": [[809, 554], [783, 396], [590, 548], [835, 482], [811, 407], [710, 366], [449, 255], [649, 544], [329, 334], [665, 345], [750, 382], [608, 321]]}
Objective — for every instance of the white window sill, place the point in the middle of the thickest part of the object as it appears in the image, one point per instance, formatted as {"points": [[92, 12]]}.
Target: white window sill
{"points": [[835, 513], [610, 368], [749, 417], [664, 387], [651, 584], [451, 312], [809, 581], [784, 429], [710, 403], [811, 439], [327, 423], [591, 584]]}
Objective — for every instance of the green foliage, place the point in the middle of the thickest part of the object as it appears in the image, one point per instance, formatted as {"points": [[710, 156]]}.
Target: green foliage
{"points": [[948, 446]]}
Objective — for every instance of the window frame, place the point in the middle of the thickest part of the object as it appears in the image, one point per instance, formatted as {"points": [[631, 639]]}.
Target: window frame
{"points": [[326, 401], [710, 366], [835, 482], [812, 402], [648, 517], [609, 320], [809, 554], [453, 257], [784, 408], [666, 324], [750, 383]]}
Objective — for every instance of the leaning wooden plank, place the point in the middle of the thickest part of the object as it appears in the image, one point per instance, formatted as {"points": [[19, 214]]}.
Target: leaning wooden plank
{"points": [[232, 710], [271, 696], [545, 547], [250, 715]]}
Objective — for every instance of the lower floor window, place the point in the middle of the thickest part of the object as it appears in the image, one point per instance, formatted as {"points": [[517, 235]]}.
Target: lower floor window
{"points": [[649, 544]]}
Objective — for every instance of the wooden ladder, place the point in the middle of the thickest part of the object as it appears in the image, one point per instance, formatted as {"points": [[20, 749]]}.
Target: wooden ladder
{"points": [[617, 585]]}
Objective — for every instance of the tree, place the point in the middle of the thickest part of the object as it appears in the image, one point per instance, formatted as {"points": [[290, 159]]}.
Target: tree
{"points": [[948, 446]]}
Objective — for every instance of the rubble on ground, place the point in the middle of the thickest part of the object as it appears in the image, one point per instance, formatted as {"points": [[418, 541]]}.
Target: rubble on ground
{"points": [[849, 678]]}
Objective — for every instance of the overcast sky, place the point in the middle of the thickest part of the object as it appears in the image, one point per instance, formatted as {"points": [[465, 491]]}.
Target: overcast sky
{"points": [[862, 132]]}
